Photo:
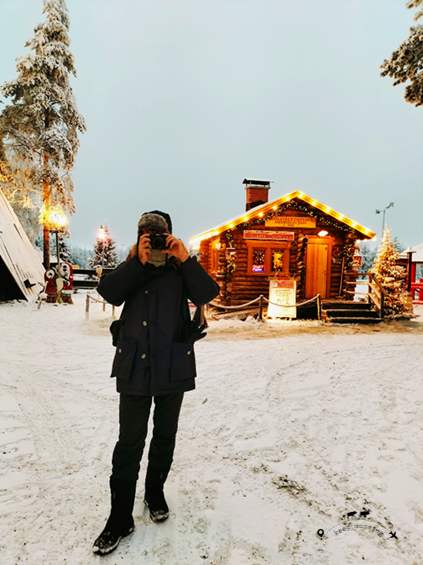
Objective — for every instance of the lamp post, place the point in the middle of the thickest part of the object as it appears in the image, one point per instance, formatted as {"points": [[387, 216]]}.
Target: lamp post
{"points": [[390, 205], [55, 220], [409, 252]]}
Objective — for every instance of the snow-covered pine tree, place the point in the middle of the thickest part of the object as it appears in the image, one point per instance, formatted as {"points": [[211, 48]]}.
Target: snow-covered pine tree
{"points": [[64, 249], [390, 275], [368, 256], [79, 256], [406, 63], [39, 128], [104, 251]]}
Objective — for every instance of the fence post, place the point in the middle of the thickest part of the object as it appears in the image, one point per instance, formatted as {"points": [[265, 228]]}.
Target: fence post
{"points": [[382, 303], [319, 307], [260, 314], [87, 306]]}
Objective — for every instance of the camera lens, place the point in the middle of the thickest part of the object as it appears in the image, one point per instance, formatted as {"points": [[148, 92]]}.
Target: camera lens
{"points": [[158, 241]]}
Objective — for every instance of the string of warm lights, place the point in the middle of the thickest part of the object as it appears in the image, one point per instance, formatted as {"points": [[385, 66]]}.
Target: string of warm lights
{"points": [[269, 210]]}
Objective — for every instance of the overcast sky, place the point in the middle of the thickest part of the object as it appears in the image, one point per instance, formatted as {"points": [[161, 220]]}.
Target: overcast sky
{"points": [[183, 99]]}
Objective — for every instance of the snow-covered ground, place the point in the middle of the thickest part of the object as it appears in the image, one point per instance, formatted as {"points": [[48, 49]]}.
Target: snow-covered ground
{"points": [[292, 426]]}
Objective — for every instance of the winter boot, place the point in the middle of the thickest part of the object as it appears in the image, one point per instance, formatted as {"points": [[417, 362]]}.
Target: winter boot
{"points": [[154, 497], [120, 523]]}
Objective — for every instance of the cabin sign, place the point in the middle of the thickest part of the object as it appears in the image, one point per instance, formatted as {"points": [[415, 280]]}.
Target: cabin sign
{"points": [[282, 296], [291, 222], [269, 235]]}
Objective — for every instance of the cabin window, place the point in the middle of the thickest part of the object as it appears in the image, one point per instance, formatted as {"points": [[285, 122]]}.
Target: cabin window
{"points": [[277, 259], [259, 261], [267, 258]]}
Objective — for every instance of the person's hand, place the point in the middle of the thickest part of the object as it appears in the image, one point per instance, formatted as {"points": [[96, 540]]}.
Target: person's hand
{"points": [[144, 248], [175, 247]]}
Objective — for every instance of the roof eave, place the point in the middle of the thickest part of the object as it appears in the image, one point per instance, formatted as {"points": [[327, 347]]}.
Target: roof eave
{"points": [[366, 233]]}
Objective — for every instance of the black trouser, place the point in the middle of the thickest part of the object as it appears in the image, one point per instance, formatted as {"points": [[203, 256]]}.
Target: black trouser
{"points": [[133, 421]]}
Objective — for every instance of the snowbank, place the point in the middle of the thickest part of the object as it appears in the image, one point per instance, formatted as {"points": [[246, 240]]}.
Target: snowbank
{"points": [[292, 426]]}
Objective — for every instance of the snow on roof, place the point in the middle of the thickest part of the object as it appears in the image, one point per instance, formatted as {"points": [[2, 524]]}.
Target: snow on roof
{"points": [[416, 257], [249, 180], [263, 209]]}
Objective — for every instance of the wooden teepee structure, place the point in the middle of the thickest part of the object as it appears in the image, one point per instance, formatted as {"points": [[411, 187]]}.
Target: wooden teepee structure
{"points": [[20, 268]]}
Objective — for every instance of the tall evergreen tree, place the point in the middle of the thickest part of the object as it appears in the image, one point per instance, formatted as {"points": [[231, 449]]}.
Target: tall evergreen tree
{"points": [[39, 128], [64, 249], [104, 250], [390, 275], [406, 63]]}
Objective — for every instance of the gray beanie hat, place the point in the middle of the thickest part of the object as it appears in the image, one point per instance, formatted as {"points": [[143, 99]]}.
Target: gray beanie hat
{"points": [[153, 222]]}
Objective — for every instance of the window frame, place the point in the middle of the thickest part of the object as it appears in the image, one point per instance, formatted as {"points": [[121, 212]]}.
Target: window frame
{"points": [[268, 246]]}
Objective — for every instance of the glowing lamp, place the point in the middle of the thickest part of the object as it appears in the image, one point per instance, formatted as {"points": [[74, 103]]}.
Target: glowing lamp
{"points": [[261, 214], [53, 218], [101, 234], [275, 207], [322, 233], [231, 225]]}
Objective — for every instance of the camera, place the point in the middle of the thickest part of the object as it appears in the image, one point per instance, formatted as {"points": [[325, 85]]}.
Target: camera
{"points": [[158, 241]]}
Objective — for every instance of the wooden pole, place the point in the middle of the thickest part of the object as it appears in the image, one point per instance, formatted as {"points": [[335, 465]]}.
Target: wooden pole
{"points": [[319, 307], [260, 314], [342, 277], [46, 232], [87, 307]]}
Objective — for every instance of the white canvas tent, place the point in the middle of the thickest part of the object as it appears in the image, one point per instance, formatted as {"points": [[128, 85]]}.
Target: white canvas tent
{"points": [[20, 268]]}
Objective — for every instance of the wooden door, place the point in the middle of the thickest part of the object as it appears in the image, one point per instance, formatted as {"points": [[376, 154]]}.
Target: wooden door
{"points": [[317, 269]]}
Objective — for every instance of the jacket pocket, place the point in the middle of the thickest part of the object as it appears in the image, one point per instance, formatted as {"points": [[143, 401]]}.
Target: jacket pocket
{"points": [[182, 364], [124, 359]]}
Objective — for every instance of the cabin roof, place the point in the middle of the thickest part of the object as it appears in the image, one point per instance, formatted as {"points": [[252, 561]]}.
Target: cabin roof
{"points": [[268, 206], [417, 256]]}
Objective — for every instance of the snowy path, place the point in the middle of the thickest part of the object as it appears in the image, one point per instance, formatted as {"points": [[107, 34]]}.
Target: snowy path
{"points": [[292, 426]]}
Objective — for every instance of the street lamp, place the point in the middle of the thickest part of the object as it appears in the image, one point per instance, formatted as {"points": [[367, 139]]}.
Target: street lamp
{"points": [[56, 221], [390, 205], [102, 235]]}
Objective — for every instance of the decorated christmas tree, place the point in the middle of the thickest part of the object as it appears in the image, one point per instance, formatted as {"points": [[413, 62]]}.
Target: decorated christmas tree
{"points": [[391, 276], [104, 250]]}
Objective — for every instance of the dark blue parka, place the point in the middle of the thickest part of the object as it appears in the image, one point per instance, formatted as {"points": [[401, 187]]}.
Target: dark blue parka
{"points": [[151, 357]]}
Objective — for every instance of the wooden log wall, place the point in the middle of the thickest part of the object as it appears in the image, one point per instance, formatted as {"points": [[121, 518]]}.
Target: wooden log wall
{"points": [[240, 287]]}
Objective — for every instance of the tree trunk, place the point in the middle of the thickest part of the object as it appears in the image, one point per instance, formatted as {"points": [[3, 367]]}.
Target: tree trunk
{"points": [[46, 233]]}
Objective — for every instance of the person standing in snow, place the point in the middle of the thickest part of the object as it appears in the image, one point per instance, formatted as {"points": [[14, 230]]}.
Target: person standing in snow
{"points": [[154, 361]]}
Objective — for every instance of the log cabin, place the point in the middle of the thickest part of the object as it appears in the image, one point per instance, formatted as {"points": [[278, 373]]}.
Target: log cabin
{"points": [[294, 236]]}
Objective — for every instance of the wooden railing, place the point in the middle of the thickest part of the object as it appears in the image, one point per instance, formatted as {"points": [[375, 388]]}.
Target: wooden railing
{"points": [[375, 293], [92, 299], [262, 299]]}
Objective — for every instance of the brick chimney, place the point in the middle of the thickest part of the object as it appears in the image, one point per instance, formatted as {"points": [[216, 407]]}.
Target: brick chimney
{"points": [[257, 192]]}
